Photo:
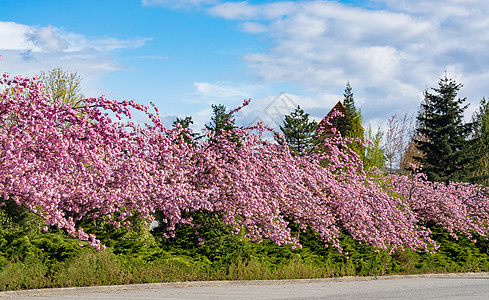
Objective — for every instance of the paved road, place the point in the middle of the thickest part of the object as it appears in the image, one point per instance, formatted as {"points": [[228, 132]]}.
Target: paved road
{"points": [[451, 286]]}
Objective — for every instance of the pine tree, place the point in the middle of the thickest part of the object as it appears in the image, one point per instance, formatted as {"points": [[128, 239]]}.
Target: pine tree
{"points": [[350, 125], [220, 120], [298, 130], [444, 134], [480, 146], [185, 123]]}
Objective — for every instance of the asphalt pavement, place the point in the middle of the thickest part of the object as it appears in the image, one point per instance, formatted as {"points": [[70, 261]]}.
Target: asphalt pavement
{"points": [[429, 286]]}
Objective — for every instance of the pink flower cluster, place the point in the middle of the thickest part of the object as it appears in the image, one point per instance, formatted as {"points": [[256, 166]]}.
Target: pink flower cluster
{"points": [[67, 164], [460, 208]]}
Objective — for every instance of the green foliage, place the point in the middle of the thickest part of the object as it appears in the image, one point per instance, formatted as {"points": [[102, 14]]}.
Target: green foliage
{"points": [[443, 134], [18, 220], [220, 120], [28, 274], [185, 123], [18, 225], [356, 259], [298, 130], [186, 133], [92, 268], [481, 119], [22, 238], [62, 85], [480, 147], [209, 241], [133, 241], [460, 255], [350, 125], [374, 156], [36, 259]]}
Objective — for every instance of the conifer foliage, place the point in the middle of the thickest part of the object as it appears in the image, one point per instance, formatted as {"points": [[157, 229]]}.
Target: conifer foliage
{"points": [[220, 120], [350, 125], [298, 130], [443, 135], [480, 147], [184, 124]]}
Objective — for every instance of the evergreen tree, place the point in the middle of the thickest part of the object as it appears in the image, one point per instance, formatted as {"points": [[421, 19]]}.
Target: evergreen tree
{"points": [[480, 147], [443, 135], [185, 123], [220, 120], [298, 130], [350, 125]]}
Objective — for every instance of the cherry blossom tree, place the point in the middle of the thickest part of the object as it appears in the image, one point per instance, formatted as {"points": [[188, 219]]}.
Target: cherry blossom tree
{"points": [[70, 164]]}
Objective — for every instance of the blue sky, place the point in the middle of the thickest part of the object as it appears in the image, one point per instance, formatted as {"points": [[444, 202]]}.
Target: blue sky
{"points": [[186, 55]]}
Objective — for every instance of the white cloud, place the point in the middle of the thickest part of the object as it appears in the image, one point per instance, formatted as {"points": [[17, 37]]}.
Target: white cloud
{"points": [[437, 8], [270, 110], [47, 39], [212, 90], [13, 36], [245, 11], [222, 92], [390, 55], [27, 50], [254, 27], [109, 44], [236, 11]]}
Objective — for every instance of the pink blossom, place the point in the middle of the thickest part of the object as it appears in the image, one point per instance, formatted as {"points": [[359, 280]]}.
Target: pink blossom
{"points": [[67, 164]]}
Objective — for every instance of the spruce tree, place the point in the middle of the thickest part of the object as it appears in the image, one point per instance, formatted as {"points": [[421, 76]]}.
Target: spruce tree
{"points": [[220, 120], [350, 125], [298, 130], [185, 123], [480, 146], [443, 135]]}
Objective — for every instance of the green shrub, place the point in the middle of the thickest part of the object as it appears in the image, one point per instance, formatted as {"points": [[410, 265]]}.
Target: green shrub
{"points": [[32, 258]]}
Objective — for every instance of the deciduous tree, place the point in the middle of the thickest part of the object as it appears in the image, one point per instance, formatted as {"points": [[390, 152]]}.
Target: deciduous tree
{"points": [[397, 144], [374, 156], [98, 168], [62, 85]]}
